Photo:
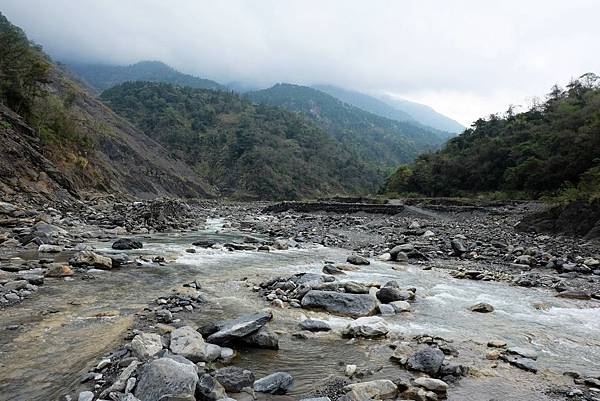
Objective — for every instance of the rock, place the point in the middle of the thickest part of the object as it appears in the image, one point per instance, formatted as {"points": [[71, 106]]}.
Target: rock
{"points": [[123, 381], [167, 379], [524, 352], [164, 315], [209, 389], [280, 244], [369, 327], [47, 248], [400, 306], [91, 259], [355, 305], [458, 246], [146, 345], [234, 379], [434, 385], [126, 244], [398, 253], [352, 287], [58, 270], [574, 294], [235, 329], [372, 390], [428, 360], [386, 309], [263, 338], [85, 396], [275, 383], [521, 363], [350, 370], [390, 294], [357, 260], [187, 342], [482, 307], [331, 269], [314, 325], [496, 344]]}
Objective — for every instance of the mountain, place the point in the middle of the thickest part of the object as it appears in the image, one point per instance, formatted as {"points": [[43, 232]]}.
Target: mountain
{"points": [[554, 146], [396, 109], [242, 149], [101, 77], [381, 142], [425, 115], [59, 140]]}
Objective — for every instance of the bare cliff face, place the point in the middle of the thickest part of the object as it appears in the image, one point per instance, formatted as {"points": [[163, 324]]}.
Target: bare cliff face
{"points": [[108, 154]]}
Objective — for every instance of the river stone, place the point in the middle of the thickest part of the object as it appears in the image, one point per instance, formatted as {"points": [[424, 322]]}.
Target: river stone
{"points": [[235, 329], [357, 260], [372, 390], [209, 389], [166, 379], [352, 287], [390, 294], [331, 269], [126, 244], [574, 294], [434, 385], [47, 248], [458, 246], [354, 305], [314, 325], [524, 352], [58, 270], [275, 383], [428, 360], [387, 309], [400, 306], [85, 396], [146, 345], [91, 259], [521, 363], [368, 327], [263, 338], [234, 379], [482, 307], [187, 342]]}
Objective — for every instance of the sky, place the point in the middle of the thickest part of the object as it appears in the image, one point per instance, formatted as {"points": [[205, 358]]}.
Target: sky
{"points": [[465, 58]]}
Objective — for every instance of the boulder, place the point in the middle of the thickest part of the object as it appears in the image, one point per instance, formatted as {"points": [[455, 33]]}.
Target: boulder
{"points": [[372, 390], [47, 248], [126, 244], [275, 383], [368, 327], [167, 379], [234, 379], [209, 389], [331, 269], [458, 246], [428, 360], [387, 295], [352, 287], [58, 270], [314, 325], [354, 305], [400, 306], [263, 338], [91, 259], [85, 396], [482, 307], [232, 330], [357, 260], [146, 345], [187, 342], [435, 385]]}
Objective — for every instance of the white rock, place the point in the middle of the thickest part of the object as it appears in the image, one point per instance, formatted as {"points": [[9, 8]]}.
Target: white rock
{"points": [[435, 385], [146, 345], [372, 326]]}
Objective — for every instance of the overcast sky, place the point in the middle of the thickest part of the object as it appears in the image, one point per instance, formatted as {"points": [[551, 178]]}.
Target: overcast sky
{"points": [[464, 58]]}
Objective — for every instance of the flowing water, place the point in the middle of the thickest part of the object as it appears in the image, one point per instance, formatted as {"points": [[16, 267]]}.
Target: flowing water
{"points": [[67, 326]]}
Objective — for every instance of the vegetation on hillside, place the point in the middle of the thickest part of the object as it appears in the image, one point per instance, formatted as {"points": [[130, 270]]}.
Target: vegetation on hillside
{"points": [[382, 142], [102, 77], [552, 147], [241, 148]]}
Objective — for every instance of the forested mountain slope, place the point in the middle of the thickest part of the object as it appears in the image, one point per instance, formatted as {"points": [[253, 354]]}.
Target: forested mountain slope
{"points": [[243, 149], [101, 76], [57, 136], [554, 145], [379, 141]]}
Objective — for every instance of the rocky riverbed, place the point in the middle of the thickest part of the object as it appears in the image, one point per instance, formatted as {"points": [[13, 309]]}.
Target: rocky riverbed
{"points": [[129, 300]]}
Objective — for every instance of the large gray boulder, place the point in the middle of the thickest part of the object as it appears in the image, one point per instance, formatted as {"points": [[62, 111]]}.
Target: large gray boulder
{"points": [[127, 243], [187, 342], [275, 383], [314, 325], [235, 329], [263, 338], [166, 379], [355, 305], [428, 360], [146, 345], [368, 327], [91, 259], [234, 379]]}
